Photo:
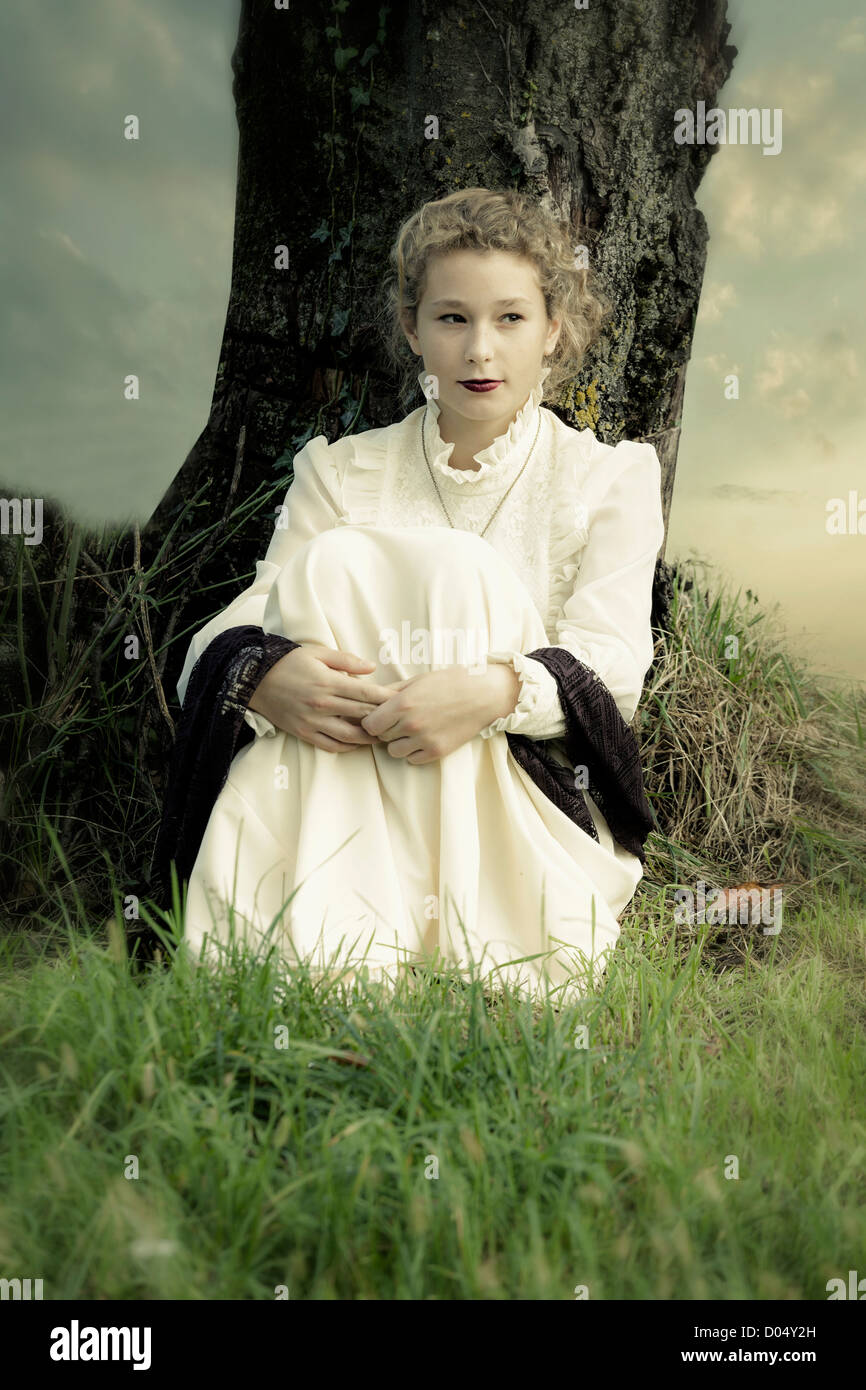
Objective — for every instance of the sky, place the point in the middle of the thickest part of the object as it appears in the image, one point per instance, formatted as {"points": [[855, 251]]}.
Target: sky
{"points": [[115, 257]]}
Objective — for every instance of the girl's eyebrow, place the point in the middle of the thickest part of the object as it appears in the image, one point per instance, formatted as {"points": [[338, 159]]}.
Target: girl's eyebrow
{"points": [[458, 303]]}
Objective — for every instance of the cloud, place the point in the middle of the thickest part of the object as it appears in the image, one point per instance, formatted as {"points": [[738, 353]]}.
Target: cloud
{"points": [[63, 240], [715, 300], [801, 92], [853, 37], [77, 73], [827, 446], [807, 197], [738, 492], [781, 365], [759, 210], [739, 204], [718, 364], [850, 164], [795, 405], [827, 366]]}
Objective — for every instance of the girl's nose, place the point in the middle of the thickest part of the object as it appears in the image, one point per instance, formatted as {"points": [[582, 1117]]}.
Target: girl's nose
{"points": [[478, 352]]}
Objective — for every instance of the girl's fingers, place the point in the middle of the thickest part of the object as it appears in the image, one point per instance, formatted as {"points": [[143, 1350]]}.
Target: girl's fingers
{"points": [[319, 739], [359, 688], [354, 709], [341, 731]]}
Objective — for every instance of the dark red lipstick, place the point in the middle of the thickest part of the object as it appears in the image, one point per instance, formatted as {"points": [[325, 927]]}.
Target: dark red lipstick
{"points": [[480, 384]]}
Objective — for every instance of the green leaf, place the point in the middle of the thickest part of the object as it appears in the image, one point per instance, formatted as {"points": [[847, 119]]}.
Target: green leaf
{"points": [[342, 56]]}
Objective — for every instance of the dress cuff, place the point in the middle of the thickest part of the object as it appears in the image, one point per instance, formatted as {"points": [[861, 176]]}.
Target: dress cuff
{"points": [[538, 712], [259, 724]]}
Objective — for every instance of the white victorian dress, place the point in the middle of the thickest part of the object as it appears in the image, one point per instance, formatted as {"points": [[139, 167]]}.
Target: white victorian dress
{"points": [[364, 858]]}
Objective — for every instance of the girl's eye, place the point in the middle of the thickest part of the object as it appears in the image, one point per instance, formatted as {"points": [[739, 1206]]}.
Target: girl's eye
{"points": [[443, 317]]}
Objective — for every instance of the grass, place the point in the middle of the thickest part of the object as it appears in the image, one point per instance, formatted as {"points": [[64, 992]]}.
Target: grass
{"points": [[690, 1130], [753, 764]]}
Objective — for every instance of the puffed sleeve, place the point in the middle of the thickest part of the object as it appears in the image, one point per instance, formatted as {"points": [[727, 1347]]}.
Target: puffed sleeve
{"points": [[604, 620], [312, 505]]}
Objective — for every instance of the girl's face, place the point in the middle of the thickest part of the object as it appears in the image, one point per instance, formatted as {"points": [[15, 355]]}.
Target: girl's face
{"points": [[482, 316]]}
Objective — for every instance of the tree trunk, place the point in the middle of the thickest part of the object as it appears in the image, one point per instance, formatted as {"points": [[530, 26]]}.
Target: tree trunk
{"points": [[576, 106]]}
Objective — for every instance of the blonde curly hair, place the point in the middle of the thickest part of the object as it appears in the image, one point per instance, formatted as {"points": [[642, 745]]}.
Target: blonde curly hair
{"points": [[486, 219]]}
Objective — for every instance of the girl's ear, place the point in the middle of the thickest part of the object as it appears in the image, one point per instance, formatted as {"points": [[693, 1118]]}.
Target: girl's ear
{"points": [[555, 327], [407, 322]]}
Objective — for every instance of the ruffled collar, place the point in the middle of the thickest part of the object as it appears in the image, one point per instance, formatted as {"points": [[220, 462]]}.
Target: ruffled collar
{"points": [[493, 459]]}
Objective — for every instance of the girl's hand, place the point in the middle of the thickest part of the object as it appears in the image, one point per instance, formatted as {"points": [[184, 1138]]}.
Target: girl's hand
{"points": [[430, 715], [320, 695]]}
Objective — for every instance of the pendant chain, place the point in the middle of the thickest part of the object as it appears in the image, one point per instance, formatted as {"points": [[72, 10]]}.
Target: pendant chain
{"points": [[501, 500]]}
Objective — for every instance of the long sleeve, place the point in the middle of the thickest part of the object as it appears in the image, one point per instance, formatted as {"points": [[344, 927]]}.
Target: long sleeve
{"points": [[311, 506], [605, 620]]}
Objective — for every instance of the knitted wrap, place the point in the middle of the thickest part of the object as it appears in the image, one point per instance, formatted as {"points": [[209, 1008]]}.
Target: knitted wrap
{"points": [[597, 738]]}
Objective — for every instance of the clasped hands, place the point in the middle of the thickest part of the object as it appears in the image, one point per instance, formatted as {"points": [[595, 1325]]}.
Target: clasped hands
{"points": [[326, 698]]}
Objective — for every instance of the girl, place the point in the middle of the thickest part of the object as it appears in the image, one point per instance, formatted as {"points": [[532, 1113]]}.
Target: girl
{"points": [[430, 679]]}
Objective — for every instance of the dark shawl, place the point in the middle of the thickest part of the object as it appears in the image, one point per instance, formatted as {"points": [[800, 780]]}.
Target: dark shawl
{"points": [[212, 729]]}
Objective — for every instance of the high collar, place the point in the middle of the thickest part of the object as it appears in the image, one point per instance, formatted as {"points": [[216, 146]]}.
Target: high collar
{"points": [[495, 458]]}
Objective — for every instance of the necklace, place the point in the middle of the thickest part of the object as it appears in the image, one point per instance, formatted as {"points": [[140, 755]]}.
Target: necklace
{"points": [[505, 494]]}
